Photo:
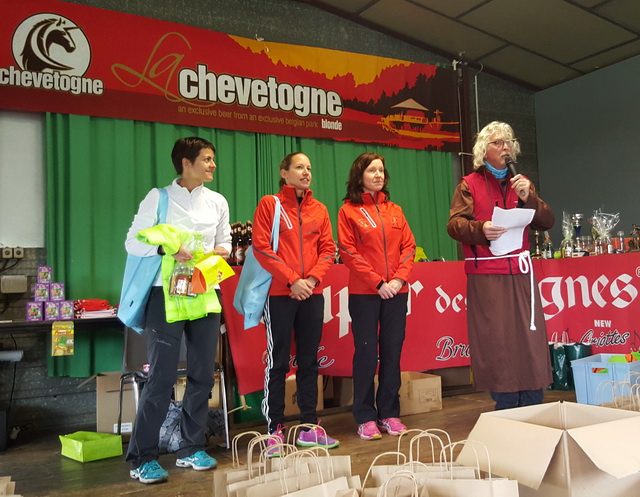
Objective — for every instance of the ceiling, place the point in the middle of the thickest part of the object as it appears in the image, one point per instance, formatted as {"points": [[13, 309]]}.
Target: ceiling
{"points": [[535, 43]]}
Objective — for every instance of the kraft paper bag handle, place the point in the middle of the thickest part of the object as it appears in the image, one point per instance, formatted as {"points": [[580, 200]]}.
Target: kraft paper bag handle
{"points": [[296, 456], [635, 396], [415, 446], [375, 460], [472, 444], [399, 475], [325, 453], [293, 431], [235, 459], [400, 438], [604, 386], [419, 431]]}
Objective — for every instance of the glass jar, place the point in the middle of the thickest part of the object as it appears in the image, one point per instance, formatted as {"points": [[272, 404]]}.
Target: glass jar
{"points": [[180, 285]]}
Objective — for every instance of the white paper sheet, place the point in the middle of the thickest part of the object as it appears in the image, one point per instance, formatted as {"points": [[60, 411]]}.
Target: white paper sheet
{"points": [[515, 220]]}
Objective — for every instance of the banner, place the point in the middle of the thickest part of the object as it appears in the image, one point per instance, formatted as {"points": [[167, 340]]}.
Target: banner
{"points": [[594, 299], [74, 59]]}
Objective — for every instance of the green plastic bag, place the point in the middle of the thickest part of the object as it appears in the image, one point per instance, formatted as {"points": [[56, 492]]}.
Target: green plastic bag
{"points": [[573, 351], [85, 446], [559, 366]]}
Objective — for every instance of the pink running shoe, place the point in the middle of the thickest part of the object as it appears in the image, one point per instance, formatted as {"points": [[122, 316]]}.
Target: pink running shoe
{"points": [[393, 426], [316, 437], [369, 431], [276, 451]]}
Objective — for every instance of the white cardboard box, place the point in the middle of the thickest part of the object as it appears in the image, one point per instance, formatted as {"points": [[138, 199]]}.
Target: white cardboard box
{"points": [[562, 449]]}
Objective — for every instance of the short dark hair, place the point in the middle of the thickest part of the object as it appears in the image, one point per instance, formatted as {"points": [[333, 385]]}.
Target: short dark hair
{"points": [[285, 163], [354, 183], [188, 148]]}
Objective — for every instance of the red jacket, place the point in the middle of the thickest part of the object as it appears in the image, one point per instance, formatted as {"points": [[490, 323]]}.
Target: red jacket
{"points": [[486, 193], [305, 247], [375, 243]]}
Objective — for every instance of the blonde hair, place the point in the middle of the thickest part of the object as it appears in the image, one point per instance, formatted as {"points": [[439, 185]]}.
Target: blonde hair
{"points": [[493, 131]]}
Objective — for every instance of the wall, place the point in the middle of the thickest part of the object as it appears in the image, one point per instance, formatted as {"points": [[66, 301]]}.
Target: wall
{"points": [[588, 144], [284, 21]]}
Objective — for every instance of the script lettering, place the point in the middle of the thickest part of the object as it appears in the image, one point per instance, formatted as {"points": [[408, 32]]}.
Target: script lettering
{"points": [[450, 350], [156, 66]]}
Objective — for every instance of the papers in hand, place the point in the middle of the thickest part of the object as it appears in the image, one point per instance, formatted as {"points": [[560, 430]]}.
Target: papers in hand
{"points": [[515, 220]]}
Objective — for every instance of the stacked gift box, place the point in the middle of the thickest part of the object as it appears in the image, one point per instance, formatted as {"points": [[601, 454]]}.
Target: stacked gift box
{"points": [[48, 302]]}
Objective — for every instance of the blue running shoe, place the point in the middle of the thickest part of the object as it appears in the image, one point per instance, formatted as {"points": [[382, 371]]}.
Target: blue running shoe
{"points": [[200, 461], [149, 472]]}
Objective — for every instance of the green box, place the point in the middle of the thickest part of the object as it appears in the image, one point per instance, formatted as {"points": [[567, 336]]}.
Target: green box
{"points": [[85, 446]]}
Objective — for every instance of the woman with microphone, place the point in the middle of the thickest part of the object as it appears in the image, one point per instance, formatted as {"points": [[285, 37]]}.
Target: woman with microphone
{"points": [[507, 333]]}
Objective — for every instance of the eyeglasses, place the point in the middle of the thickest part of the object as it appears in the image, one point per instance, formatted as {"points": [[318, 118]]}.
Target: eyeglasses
{"points": [[502, 143]]}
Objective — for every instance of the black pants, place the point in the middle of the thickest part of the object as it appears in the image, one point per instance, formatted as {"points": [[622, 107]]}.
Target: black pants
{"points": [[163, 349], [378, 328], [284, 317], [508, 400]]}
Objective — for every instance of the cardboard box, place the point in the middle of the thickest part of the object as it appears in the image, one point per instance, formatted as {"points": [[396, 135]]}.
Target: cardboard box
{"points": [[453, 376], [590, 372], [419, 392], [561, 449], [181, 385], [107, 400], [291, 396], [343, 390]]}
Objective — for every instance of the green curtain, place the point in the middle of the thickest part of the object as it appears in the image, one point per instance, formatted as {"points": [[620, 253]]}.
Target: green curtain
{"points": [[99, 169]]}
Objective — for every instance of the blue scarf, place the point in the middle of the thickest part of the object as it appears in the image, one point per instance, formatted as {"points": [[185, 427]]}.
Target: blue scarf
{"points": [[497, 173]]}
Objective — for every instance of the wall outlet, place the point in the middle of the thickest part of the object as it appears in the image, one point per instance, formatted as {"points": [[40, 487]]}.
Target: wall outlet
{"points": [[18, 253], [7, 253]]}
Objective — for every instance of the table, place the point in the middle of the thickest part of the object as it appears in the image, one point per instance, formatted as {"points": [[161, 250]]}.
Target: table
{"points": [[594, 299], [98, 345]]}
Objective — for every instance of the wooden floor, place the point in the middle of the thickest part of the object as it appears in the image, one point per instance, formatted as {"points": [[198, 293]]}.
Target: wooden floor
{"points": [[39, 470]]}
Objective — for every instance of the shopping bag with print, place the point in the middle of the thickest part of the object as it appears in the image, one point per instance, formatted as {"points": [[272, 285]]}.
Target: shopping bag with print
{"points": [[559, 364]]}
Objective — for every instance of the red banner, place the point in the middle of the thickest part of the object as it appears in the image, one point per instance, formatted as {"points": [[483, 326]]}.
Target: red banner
{"points": [[594, 299], [74, 59]]}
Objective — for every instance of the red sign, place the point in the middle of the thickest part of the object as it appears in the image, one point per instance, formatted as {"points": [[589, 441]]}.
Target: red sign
{"points": [[594, 299], [74, 59]]}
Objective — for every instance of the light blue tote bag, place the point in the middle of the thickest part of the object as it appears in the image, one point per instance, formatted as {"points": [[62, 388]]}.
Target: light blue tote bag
{"points": [[253, 287], [139, 275]]}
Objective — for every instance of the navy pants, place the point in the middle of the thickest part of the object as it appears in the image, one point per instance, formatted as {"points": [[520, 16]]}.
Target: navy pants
{"points": [[285, 318], [508, 400], [163, 349], [378, 328]]}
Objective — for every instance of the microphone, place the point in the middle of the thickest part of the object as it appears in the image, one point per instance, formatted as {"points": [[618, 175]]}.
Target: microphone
{"points": [[511, 164]]}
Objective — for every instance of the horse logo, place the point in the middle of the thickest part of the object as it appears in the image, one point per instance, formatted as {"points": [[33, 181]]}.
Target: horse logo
{"points": [[48, 42]]}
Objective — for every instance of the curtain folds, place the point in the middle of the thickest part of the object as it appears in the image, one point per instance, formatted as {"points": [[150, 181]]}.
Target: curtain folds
{"points": [[99, 169]]}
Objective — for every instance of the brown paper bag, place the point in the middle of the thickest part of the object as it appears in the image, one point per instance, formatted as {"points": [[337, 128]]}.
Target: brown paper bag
{"points": [[487, 487], [327, 489], [400, 484], [223, 479]]}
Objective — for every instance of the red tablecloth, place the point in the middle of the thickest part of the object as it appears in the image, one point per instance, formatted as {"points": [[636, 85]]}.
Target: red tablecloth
{"points": [[594, 299]]}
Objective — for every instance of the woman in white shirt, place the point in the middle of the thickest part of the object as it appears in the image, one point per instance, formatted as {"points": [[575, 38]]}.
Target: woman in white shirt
{"points": [[195, 209]]}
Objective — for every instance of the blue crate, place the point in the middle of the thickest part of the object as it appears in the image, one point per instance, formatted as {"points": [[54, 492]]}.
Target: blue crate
{"points": [[587, 382]]}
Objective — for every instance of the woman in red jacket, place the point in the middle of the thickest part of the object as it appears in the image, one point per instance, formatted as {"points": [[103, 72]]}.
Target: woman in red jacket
{"points": [[378, 247], [306, 251]]}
